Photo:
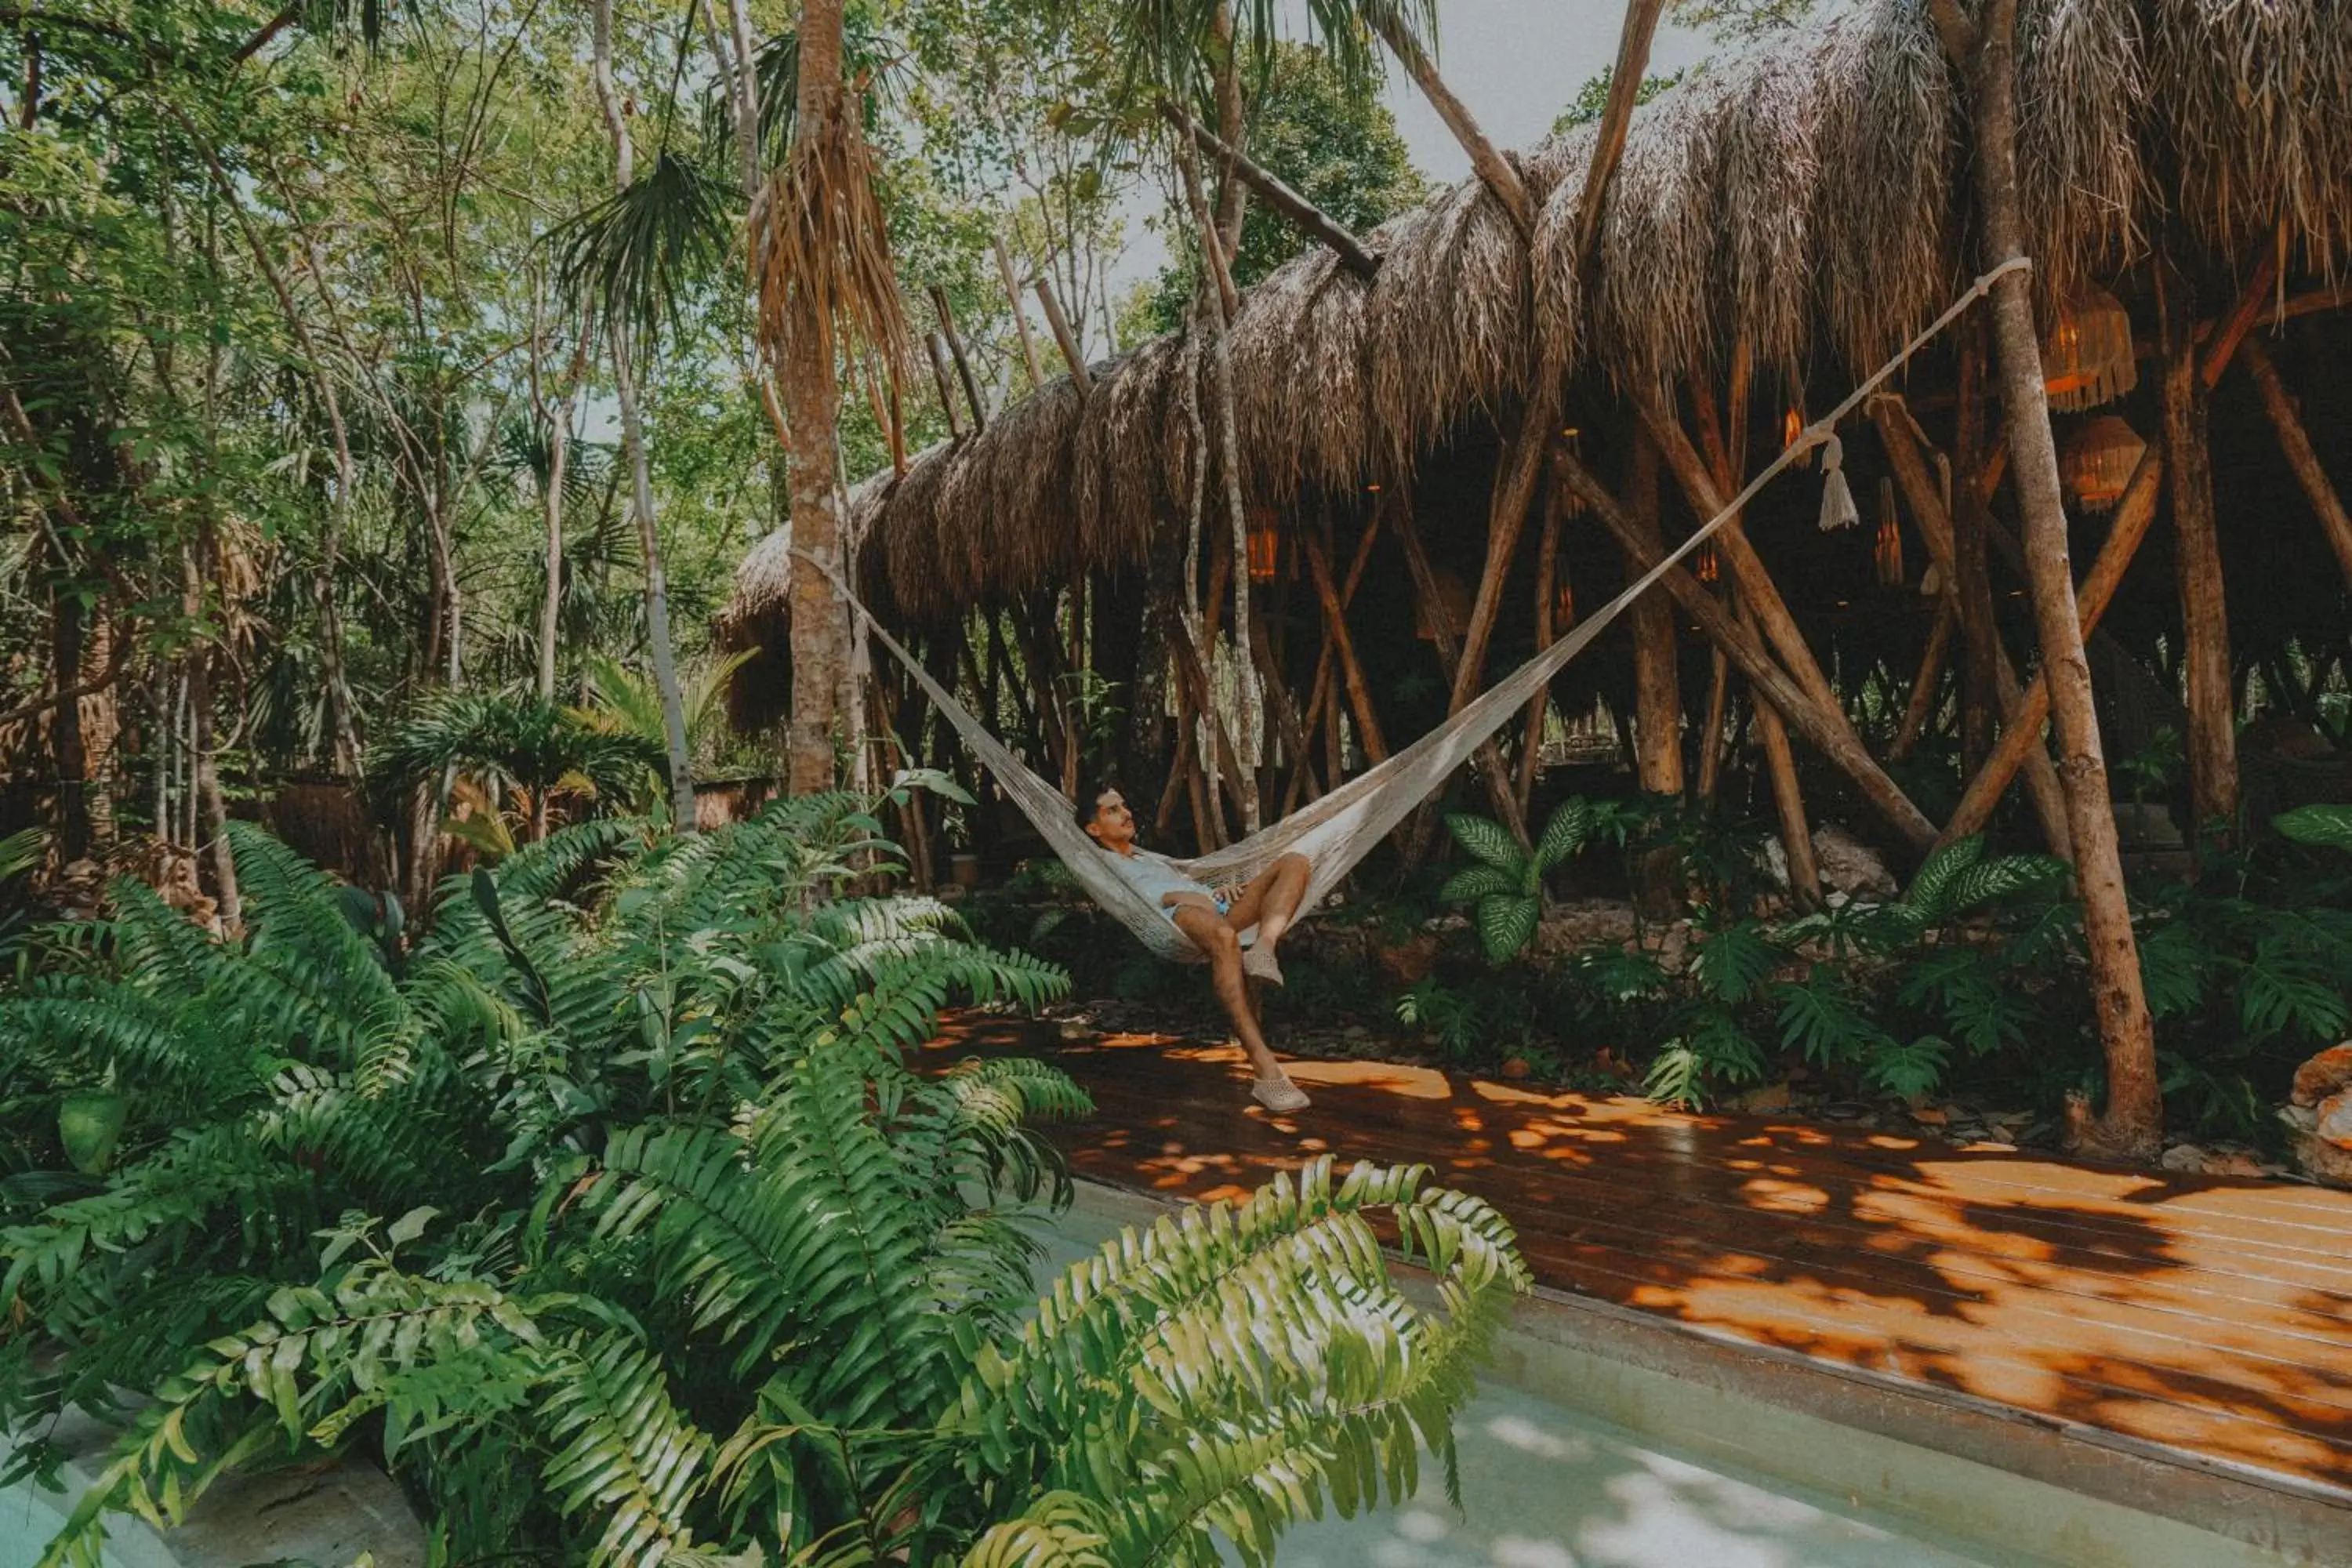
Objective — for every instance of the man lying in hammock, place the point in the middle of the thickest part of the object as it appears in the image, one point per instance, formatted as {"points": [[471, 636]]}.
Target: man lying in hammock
{"points": [[1215, 918]]}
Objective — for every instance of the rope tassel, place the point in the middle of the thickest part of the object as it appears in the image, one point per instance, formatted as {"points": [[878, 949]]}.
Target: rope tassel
{"points": [[1838, 510]]}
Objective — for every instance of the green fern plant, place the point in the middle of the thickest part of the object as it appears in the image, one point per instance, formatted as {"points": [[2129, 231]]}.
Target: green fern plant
{"points": [[623, 1227], [1505, 884]]}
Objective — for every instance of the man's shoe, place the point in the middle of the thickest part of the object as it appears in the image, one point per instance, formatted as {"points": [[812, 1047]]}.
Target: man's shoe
{"points": [[1279, 1095], [1259, 964]]}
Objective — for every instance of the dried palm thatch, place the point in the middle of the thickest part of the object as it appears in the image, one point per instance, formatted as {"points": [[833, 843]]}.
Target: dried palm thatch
{"points": [[2252, 101], [819, 249], [1815, 198]]}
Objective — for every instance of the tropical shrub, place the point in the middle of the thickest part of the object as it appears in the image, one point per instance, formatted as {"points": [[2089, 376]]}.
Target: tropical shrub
{"points": [[1504, 882], [616, 1221]]}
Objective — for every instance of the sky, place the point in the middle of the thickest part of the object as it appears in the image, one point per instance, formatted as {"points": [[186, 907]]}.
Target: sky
{"points": [[1515, 63]]}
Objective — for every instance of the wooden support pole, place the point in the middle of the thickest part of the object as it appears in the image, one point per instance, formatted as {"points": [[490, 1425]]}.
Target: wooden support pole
{"points": [[1335, 619], [1788, 796], [1657, 663], [1495, 171], [1826, 732], [1927, 683], [1062, 337], [2197, 556], [1286, 722], [1319, 706], [1925, 500], [1757, 591], [1020, 316], [1304, 214], [2133, 514], [1546, 600], [939, 380], [1441, 624], [955, 351], [1616, 118], [2295, 441]]}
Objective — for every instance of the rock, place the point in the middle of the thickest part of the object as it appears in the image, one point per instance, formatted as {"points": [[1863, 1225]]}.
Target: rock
{"points": [[1516, 1068], [1406, 963], [2184, 1157], [1850, 865], [1356, 1032], [2329, 1072], [2232, 1163], [1078, 1030], [2324, 1149], [1929, 1116], [1847, 865], [1758, 1102]]}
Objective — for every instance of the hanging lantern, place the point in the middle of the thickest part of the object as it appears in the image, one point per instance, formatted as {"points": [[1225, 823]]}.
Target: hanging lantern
{"points": [[2088, 358], [1704, 566], [1792, 430], [1887, 556], [2099, 461], [1264, 545], [1563, 605], [1838, 510]]}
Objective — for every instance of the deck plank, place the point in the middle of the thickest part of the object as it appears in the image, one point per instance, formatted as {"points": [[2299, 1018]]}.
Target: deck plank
{"points": [[2209, 1315]]}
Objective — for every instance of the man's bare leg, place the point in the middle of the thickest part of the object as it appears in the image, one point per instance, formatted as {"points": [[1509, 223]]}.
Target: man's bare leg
{"points": [[1223, 945], [1270, 902]]}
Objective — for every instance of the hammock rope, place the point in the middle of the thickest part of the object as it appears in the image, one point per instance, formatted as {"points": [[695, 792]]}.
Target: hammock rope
{"points": [[1338, 830]]}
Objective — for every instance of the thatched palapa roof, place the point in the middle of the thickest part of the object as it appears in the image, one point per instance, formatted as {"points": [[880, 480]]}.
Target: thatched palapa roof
{"points": [[1814, 197]]}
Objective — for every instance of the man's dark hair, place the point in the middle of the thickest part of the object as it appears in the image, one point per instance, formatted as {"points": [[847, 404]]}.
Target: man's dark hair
{"points": [[1090, 800]]}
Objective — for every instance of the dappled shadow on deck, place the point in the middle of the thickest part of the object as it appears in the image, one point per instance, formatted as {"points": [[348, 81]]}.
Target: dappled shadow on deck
{"points": [[2210, 1315]]}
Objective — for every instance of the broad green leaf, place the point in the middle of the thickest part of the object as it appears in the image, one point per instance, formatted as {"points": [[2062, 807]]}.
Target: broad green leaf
{"points": [[1564, 834], [1491, 842], [1505, 923], [1473, 882]]}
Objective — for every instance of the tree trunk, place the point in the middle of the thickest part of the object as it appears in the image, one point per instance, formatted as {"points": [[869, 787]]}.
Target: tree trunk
{"points": [[1788, 796], [632, 440], [557, 420], [2132, 1123], [1547, 598], [1495, 171], [2197, 543], [1303, 215]]}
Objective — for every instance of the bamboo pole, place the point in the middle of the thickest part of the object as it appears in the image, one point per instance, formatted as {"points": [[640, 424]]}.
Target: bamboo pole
{"points": [[939, 380], [1547, 596], [1657, 664], [955, 351], [1927, 683], [1304, 214], [1788, 796], [1318, 700], [1062, 337]]}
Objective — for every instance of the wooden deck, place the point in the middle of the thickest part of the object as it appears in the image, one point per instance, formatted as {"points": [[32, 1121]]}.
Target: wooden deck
{"points": [[2212, 1316]]}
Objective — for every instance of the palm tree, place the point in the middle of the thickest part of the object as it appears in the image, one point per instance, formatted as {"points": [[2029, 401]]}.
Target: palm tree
{"points": [[821, 259]]}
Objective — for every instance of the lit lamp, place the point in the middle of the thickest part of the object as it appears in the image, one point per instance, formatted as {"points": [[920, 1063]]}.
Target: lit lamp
{"points": [[2099, 461], [1887, 556], [1264, 545], [2088, 358], [1704, 566], [1792, 427], [1571, 501], [1564, 604]]}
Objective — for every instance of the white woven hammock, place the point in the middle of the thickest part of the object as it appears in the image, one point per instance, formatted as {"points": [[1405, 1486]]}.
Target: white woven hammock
{"points": [[1338, 830]]}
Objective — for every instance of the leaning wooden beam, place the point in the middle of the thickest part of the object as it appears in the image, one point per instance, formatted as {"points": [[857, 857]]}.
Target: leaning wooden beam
{"points": [[1757, 589], [955, 351], [1286, 722], [1320, 692], [1925, 500], [1062, 337], [1441, 624], [1547, 600], [1788, 795], [1020, 316], [2300, 456], [2214, 356], [2133, 513], [939, 380], [1826, 733], [1310, 219], [1779, 758], [1335, 619], [1616, 118], [2196, 555], [1495, 171], [1926, 684]]}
